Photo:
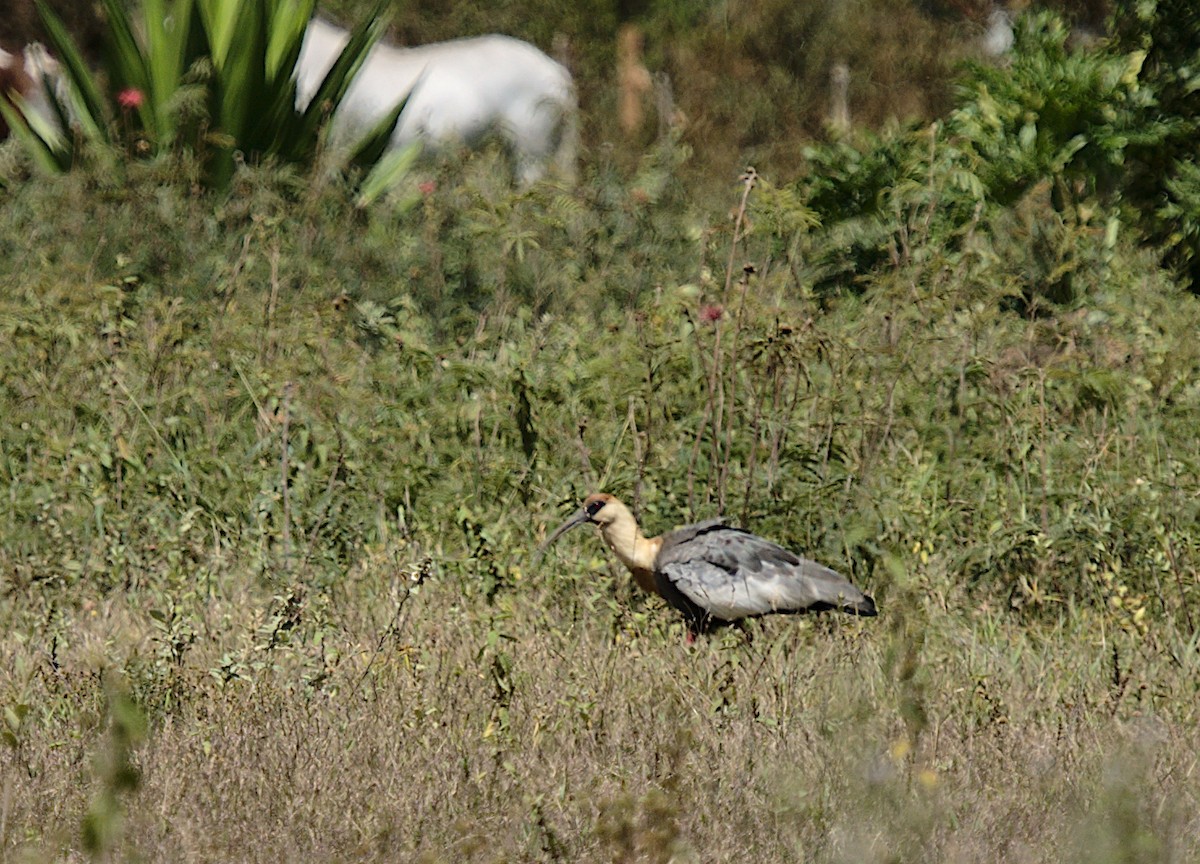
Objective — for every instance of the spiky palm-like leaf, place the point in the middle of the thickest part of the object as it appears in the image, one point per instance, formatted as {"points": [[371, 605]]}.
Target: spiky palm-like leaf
{"points": [[249, 86]]}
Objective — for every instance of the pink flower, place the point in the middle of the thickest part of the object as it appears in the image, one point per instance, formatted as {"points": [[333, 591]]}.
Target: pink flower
{"points": [[711, 314], [427, 187], [130, 97]]}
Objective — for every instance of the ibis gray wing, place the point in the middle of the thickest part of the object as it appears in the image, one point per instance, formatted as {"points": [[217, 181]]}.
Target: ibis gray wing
{"points": [[732, 574], [687, 533]]}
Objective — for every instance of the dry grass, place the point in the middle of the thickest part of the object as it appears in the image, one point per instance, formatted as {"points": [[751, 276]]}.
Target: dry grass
{"points": [[442, 728]]}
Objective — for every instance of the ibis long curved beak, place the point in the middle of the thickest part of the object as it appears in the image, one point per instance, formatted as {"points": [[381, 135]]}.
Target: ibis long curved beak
{"points": [[581, 516]]}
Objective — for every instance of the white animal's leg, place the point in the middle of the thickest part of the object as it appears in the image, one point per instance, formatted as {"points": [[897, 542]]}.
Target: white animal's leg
{"points": [[542, 136], [566, 157], [47, 80]]}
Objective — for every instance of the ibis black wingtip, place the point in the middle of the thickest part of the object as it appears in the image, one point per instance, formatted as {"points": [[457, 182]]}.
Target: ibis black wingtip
{"points": [[864, 608]]}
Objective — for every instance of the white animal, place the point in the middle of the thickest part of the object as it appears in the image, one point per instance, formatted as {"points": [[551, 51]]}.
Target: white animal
{"points": [[998, 38], [460, 91], [24, 79]]}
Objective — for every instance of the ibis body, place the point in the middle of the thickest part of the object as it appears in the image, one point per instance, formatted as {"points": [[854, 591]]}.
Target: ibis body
{"points": [[716, 574]]}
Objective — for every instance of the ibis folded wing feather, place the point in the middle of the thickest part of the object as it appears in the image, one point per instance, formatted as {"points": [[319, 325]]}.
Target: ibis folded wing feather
{"points": [[676, 540], [729, 574]]}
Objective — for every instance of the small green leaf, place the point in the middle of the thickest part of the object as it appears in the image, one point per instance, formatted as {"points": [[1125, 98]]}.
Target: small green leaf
{"points": [[1027, 136], [14, 716], [391, 169]]}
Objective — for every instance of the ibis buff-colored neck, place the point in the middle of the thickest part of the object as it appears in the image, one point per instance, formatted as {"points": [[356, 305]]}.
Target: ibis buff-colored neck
{"points": [[627, 542]]}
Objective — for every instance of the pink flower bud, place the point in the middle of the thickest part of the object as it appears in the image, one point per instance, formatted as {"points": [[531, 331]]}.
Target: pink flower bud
{"points": [[130, 97]]}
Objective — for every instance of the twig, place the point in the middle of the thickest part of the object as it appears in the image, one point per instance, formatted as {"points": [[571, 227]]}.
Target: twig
{"points": [[695, 454], [1044, 458], [639, 458], [272, 301], [238, 266], [415, 581], [749, 180], [585, 458], [648, 422], [720, 462], [285, 424], [714, 413], [338, 465], [1183, 600], [723, 477], [756, 426]]}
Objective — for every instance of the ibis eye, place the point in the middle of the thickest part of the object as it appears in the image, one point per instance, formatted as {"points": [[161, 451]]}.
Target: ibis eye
{"points": [[594, 508]]}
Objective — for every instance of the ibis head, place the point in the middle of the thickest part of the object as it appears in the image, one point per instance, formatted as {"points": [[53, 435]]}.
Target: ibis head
{"points": [[716, 574], [620, 532]]}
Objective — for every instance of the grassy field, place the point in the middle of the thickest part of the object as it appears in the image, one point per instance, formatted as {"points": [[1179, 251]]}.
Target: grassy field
{"points": [[274, 469], [439, 728]]}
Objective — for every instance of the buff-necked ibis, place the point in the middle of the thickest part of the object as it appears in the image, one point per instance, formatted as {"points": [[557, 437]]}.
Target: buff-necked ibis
{"points": [[716, 574]]}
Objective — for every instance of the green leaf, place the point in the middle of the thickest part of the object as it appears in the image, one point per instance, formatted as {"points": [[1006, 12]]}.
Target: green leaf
{"points": [[289, 20], [374, 144], [240, 83], [48, 158], [241, 72], [1027, 136], [390, 170], [14, 716], [250, 94], [129, 64], [168, 36], [221, 20]]}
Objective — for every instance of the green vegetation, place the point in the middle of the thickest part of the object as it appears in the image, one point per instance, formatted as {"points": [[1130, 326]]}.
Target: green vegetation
{"points": [[213, 77], [274, 466]]}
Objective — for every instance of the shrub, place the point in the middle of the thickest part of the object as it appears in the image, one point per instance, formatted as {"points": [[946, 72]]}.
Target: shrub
{"points": [[179, 79]]}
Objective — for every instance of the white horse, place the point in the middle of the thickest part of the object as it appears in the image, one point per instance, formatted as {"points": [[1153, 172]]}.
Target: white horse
{"points": [[24, 81], [460, 91]]}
